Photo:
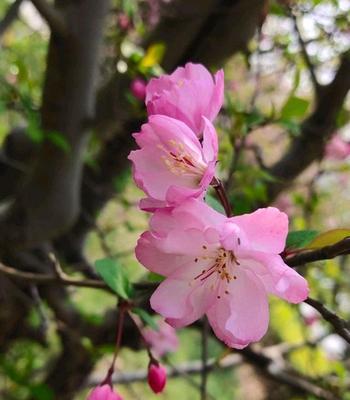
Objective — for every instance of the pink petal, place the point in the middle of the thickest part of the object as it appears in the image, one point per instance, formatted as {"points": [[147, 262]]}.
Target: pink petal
{"points": [[217, 98], [149, 254], [266, 229], [278, 278], [242, 316], [179, 302], [210, 141]]}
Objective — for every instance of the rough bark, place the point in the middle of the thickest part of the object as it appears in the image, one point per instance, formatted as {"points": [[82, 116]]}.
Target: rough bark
{"points": [[50, 200]]}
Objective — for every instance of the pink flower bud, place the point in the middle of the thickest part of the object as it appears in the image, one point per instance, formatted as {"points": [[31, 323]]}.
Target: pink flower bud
{"points": [[156, 377], [138, 88], [124, 22], [104, 392]]}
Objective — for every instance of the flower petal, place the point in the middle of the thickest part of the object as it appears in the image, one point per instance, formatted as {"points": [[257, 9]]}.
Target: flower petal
{"points": [[242, 316], [266, 229]]}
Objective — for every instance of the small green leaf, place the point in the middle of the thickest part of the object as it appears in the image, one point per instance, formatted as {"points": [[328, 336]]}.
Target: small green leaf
{"points": [[153, 277], [214, 203], [295, 108], [300, 239], [112, 272], [328, 238], [146, 318]]}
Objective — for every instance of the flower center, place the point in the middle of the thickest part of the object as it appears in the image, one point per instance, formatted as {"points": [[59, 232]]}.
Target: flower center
{"points": [[179, 161], [222, 270]]}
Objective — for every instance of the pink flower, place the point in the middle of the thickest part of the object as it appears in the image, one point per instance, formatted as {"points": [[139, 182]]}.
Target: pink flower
{"points": [[218, 266], [156, 377], [104, 392], [188, 94], [138, 88], [171, 164], [162, 341], [337, 148]]}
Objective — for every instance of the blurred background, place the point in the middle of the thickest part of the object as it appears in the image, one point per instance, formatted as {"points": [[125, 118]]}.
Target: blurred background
{"points": [[72, 76]]}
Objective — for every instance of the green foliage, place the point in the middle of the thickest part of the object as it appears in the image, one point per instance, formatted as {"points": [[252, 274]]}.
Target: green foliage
{"points": [[112, 272], [300, 239]]}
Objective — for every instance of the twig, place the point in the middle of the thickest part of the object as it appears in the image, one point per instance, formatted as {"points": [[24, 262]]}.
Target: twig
{"points": [[52, 16], [308, 62], [266, 364], [34, 277], [204, 372], [221, 193], [10, 16], [325, 253], [339, 325]]}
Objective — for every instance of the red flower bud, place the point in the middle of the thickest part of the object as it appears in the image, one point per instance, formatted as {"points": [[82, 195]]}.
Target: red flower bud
{"points": [[156, 377]]}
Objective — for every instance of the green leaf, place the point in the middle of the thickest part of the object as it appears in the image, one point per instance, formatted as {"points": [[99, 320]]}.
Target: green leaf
{"points": [[146, 318], [112, 272], [295, 108], [300, 239], [214, 203], [329, 238], [153, 277]]}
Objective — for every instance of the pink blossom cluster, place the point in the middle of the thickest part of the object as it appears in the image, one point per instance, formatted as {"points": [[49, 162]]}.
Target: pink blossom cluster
{"points": [[214, 265]]}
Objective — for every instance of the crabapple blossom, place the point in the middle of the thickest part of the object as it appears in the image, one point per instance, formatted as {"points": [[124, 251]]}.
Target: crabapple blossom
{"points": [[104, 392], [219, 266], [337, 148], [188, 94], [172, 164], [156, 377], [162, 341]]}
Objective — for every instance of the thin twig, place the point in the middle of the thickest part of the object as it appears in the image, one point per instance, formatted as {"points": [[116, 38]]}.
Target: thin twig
{"points": [[308, 62], [204, 372], [10, 16], [221, 193], [52, 16], [340, 325]]}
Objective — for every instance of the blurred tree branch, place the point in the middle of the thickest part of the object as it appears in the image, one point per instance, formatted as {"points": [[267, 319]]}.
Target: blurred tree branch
{"points": [[10, 16], [309, 145], [52, 16]]}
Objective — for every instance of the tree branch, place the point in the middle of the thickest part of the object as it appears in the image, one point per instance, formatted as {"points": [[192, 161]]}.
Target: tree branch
{"points": [[10, 16], [53, 17], [340, 326], [315, 132], [308, 62], [325, 253]]}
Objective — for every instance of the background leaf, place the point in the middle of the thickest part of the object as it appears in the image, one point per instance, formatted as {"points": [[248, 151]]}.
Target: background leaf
{"points": [[112, 272]]}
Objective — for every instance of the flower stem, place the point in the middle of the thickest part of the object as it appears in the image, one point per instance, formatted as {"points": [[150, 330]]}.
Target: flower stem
{"points": [[221, 193], [120, 324]]}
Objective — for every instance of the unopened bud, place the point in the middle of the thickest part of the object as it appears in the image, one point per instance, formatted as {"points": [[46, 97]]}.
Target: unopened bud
{"points": [[156, 377], [104, 392]]}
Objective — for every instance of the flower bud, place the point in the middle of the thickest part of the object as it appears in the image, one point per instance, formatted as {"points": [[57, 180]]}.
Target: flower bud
{"points": [[138, 88], [104, 392], [156, 377]]}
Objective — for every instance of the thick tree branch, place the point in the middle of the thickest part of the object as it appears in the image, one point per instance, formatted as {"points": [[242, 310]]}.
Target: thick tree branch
{"points": [[315, 131], [53, 17], [10, 16], [49, 202]]}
